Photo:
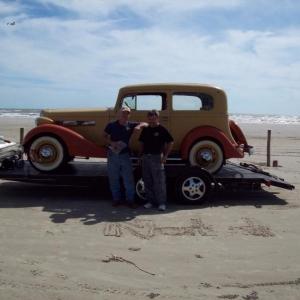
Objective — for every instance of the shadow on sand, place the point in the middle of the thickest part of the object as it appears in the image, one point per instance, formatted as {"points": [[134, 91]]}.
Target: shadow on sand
{"points": [[93, 206]]}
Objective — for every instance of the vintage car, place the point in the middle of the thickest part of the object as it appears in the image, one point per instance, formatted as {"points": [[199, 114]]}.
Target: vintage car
{"points": [[195, 114]]}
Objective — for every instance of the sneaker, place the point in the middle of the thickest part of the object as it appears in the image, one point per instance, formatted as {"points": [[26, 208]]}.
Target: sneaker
{"points": [[132, 205], [148, 205], [162, 207], [115, 203]]}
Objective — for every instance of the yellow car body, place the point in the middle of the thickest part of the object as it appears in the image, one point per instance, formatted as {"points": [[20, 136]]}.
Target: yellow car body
{"points": [[195, 114]]}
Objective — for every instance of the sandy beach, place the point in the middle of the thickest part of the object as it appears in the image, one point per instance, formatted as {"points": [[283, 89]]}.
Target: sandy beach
{"points": [[69, 243]]}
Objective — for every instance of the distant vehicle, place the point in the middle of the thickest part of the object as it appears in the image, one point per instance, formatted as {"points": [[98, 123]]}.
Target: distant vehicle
{"points": [[195, 114]]}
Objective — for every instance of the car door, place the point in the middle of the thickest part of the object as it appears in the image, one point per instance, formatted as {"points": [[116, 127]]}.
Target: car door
{"points": [[189, 110], [142, 102]]}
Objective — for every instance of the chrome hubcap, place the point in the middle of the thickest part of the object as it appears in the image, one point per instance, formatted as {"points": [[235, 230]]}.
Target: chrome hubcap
{"points": [[46, 153], [193, 188], [206, 156]]}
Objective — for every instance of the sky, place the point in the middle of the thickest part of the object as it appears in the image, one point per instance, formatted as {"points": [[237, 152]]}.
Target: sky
{"points": [[78, 53]]}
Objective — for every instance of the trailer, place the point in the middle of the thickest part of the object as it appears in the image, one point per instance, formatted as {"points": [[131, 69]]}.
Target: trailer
{"points": [[188, 184]]}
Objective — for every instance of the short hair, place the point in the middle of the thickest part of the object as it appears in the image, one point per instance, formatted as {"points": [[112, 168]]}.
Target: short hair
{"points": [[152, 113]]}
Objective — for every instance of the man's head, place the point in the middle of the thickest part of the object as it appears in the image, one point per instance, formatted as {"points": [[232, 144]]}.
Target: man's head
{"points": [[125, 108], [152, 116], [124, 114]]}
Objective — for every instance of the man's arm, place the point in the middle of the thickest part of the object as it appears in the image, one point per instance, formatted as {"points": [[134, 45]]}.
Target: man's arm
{"points": [[140, 126], [167, 152], [107, 140], [140, 153]]}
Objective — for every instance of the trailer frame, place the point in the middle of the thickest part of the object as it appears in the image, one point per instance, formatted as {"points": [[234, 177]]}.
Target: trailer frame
{"points": [[191, 184]]}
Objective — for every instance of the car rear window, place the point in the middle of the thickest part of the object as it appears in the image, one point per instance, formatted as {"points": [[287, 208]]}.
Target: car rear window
{"points": [[192, 101]]}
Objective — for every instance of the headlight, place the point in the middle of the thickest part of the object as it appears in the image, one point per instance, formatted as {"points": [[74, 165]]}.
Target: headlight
{"points": [[43, 120]]}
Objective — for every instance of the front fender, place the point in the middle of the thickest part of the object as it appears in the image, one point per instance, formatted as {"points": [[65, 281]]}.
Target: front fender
{"points": [[77, 145], [231, 150]]}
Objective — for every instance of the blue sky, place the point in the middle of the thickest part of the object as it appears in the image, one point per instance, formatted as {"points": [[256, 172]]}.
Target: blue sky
{"points": [[78, 53]]}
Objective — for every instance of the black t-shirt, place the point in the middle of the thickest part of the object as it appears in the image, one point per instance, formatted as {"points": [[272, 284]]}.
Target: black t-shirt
{"points": [[155, 138], [120, 132]]}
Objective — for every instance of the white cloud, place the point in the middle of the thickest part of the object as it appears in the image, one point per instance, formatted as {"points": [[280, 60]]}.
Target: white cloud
{"points": [[8, 8], [91, 48], [156, 6]]}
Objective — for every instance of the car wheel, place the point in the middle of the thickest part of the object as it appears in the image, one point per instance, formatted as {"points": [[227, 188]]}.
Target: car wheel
{"points": [[47, 154], [193, 187], [208, 155], [139, 185]]}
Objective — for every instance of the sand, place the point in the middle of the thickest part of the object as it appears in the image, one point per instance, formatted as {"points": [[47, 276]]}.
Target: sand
{"points": [[69, 243]]}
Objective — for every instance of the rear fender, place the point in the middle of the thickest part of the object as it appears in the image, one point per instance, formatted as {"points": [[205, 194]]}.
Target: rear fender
{"points": [[239, 137], [76, 144], [231, 150]]}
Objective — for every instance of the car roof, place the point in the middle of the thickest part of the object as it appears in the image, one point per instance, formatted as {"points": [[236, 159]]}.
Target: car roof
{"points": [[169, 85]]}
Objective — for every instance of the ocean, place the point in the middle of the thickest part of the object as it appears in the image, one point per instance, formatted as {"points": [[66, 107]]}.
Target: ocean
{"points": [[238, 118]]}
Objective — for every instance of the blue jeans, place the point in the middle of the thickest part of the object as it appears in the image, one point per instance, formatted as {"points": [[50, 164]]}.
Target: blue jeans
{"points": [[154, 179], [120, 166]]}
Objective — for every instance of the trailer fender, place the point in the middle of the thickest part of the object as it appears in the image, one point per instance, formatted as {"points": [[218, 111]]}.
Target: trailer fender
{"points": [[76, 144], [231, 150]]}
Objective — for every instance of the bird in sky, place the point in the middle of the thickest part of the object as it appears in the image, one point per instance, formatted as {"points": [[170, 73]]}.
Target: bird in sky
{"points": [[13, 23]]}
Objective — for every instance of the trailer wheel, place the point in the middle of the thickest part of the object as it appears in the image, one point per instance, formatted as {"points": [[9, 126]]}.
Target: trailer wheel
{"points": [[47, 154], [208, 155], [139, 185], [193, 187]]}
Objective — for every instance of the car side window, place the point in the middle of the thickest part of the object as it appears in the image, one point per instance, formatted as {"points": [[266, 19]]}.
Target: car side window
{"points": [[145, 101], [192, 101]]}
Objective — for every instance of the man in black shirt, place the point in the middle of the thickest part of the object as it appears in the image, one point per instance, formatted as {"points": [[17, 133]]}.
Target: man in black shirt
{"points": [[156, 144]]}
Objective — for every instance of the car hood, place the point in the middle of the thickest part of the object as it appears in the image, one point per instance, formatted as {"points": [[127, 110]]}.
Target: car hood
{"points": [[78, 112]]}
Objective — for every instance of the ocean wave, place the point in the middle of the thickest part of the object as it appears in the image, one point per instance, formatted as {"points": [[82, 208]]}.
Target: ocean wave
{"points": [[265, 119], [238, 118], [20, 113]]}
